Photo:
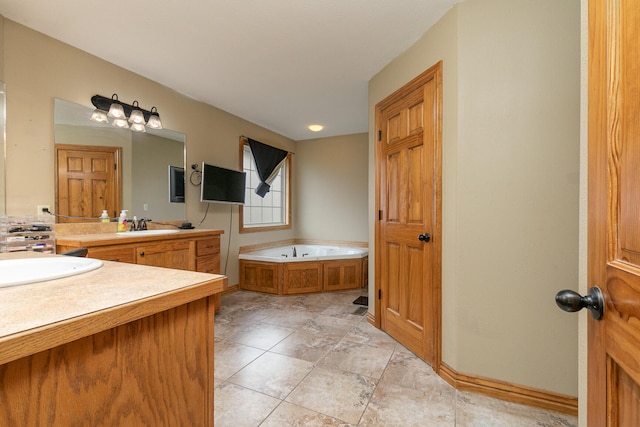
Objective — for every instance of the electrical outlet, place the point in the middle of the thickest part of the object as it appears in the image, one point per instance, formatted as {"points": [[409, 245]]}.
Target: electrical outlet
{"points": [[42, 210]]}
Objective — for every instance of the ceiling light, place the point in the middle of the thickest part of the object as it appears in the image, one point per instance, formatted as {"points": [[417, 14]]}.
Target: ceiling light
{"points": [[315, 128]]}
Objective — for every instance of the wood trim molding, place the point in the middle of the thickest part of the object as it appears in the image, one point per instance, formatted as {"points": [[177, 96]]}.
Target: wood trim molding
{"points": [[371, 318], [510, 392], [231, 289]]}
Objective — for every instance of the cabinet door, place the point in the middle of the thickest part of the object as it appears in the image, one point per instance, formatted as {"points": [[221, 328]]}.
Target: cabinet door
{"points": [[176, 254], [302, 277], [346, 274], [260, 277]]}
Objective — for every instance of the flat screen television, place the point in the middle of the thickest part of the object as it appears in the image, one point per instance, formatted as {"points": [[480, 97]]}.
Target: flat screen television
{"points": [[176, 184], [221, 185]]}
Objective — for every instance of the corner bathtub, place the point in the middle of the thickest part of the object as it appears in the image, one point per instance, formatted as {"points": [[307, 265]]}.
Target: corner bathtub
{"points": [[314, 268]]}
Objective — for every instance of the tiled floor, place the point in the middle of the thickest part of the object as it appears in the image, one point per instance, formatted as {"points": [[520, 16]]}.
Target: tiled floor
{"points": [[310, 361]]}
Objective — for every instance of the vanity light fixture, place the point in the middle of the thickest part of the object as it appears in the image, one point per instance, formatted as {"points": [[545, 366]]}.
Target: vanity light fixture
{"points": [[154, 119], [138, 127], [120, 123], [115, 109], [99, 116], [136, 116], [123, 114]]}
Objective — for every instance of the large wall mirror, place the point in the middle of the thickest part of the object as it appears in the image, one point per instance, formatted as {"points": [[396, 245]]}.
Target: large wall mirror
{"points": [[147, 162], [3, 119]]}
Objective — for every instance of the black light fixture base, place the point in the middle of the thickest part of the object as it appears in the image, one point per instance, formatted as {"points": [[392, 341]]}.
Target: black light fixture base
{"points": [[103, 103]]}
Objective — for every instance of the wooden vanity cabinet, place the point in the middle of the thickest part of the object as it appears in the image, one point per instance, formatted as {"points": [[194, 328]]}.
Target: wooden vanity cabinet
{"points": [[188, 250], [197, 250]]}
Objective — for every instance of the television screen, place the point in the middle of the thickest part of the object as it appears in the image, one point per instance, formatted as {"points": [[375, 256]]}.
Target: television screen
{"points": [[176, 184], [222, 185]]}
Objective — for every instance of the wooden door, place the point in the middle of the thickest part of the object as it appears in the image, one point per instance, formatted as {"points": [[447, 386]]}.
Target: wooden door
{"points": [[408, 270], [87, 181], [614, 212]]}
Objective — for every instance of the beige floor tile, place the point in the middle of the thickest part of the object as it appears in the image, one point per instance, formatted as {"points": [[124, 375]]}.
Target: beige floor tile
{"points": [[345, 324], [291, 415], [273, 374], [343, 311], [394, 405], [407, 370], [305, 345], [339, 394], [229, 358], [237, 406], [475, 410], [358, 359], [365, 333], [260, 335], [345, 387], [287, 318]]}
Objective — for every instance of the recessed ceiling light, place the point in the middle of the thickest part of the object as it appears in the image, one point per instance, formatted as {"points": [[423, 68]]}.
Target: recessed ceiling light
{"points": [[315, 128]]}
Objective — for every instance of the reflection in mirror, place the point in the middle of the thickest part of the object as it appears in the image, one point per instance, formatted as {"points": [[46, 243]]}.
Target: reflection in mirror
{"points": [[145, 160], [3, 118]]}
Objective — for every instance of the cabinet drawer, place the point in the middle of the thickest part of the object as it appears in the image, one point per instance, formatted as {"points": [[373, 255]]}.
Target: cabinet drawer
{"points": [[113, 254], [209, 264], [207, 246]]}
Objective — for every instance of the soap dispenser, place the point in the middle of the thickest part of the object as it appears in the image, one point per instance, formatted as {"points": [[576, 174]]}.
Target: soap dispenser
{"points": [[122, 221], [105, 216]]}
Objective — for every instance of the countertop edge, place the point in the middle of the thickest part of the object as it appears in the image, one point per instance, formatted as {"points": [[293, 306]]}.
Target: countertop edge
{"points": [[16, 346], [91, 240]]}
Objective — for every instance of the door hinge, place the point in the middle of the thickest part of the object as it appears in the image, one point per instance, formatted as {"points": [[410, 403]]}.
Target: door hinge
{"points": [[379, 135], [379, 293]]}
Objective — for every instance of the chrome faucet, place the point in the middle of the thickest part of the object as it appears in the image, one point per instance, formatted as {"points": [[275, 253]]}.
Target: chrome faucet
{"points": [[294, 252]]}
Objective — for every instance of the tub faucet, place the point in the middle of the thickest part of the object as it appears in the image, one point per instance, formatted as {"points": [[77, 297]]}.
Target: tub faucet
{"points": [[294, 252]]}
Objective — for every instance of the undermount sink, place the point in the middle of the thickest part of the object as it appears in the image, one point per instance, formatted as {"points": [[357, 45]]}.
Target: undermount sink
{"points": [[145, 233], [22, 271]]}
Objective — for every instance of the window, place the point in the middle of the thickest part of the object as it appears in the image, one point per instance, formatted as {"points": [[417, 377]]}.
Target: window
{"points": [[271, 212]]}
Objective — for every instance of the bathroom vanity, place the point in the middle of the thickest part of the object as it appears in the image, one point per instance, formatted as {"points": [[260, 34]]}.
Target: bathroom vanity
{"points": [[193, 250], [119, 345]]}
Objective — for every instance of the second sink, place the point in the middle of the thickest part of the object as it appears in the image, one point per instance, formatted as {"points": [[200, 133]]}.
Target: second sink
{"points": [[145, 233]]}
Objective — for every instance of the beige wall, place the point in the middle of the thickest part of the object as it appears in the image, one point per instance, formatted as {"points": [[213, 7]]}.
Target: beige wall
{"points": [[152, 156], [510, 184], [38, 69], [331, 188]]}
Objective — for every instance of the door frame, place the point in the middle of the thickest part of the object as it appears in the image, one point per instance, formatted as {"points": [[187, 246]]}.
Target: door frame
{"points": [[433, 72]]}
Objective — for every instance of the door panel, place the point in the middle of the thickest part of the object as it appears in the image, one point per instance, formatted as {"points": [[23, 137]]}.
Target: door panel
{"points": [[87, 182], [408, 168], [614, 212]]}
